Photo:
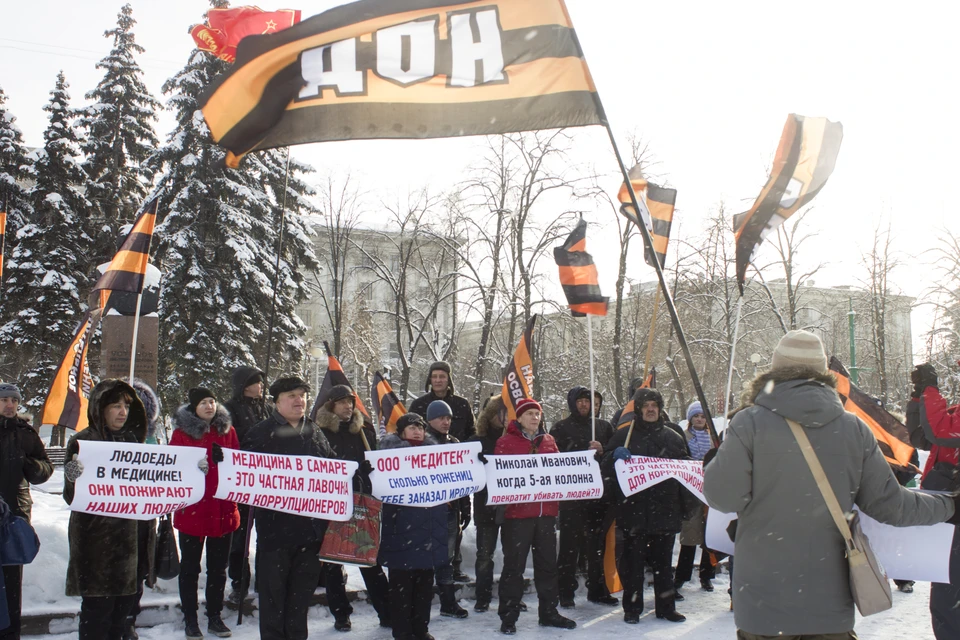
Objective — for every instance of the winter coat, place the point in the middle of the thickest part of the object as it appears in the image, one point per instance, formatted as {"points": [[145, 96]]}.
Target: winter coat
{"points": [[151, 405], [103, 550], [573, 433], [792, 574], [245, 413], [944, 423], [412, 537], [460, 507], [23, 461], [346, 442], [487, 435], [660, 509], [277, 530], [514, 443], [209, 518], [462, 426]]}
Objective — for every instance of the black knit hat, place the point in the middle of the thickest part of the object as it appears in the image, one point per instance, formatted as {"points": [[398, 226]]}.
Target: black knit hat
{"points": [[440, 365], [339, 392], [287, 383], [197, 395], [408, 419]]}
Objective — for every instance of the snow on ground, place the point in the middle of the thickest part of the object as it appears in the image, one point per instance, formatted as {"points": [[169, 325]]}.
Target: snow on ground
{"points": [[708, 614]]}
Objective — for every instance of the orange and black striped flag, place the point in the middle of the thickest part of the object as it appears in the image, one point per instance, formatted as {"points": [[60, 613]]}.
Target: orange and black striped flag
{"points": [[804, 160], [404, 69], [518, 381], [578, 274], [386, 403], [629, 411], [66, 403], [3, 235], [891, 434], [127, 269], [332, 378], [658, 204]]}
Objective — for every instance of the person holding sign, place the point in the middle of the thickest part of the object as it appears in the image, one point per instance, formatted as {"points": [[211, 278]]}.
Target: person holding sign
{"points": [[531, 525], [102, 568], [288, 545], [413, 545], [650, 520], [205, 424], [343, 425]]}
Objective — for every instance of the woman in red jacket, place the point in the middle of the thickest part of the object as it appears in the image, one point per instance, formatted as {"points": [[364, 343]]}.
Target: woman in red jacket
{"points": [[203, 423], [533, 524]]}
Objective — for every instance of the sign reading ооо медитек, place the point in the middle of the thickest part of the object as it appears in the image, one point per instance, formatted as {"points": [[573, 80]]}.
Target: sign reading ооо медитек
{"points": [[301, 485], [543, 477], [426, 476], [639, 473], [136, 481]]}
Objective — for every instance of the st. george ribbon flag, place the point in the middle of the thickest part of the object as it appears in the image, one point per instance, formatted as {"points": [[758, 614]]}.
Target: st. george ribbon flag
{"points": [[66, 403], [578, 274], [518, 380], [404, 69], [805, 159]]}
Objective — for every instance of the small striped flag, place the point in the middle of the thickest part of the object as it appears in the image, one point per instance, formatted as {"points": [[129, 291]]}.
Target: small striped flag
{"points": [[66, 403], [332, 378], [578, 274], [386, 403], [127, 269], [658, 204], [518, 381]]}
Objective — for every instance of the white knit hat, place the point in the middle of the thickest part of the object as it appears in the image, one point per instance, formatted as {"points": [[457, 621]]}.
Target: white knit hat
{"points": [[800, 349]]}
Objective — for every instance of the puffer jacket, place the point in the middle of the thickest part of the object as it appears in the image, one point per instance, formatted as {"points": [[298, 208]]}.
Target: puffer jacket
{"points": [[515, 443], [23, 461], [209, 518], [487, 436], [792, 574], [412, 537], [103, 550]]}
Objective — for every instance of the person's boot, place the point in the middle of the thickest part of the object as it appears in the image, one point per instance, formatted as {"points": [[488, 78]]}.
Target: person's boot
{"points": [[342, 623], [130, 629], [483, 605], [603, 598], [705, 584], [554, 619], [216, 626], [672, 616], [567, 601], [191, 628], [449, 606], [459, 575]]}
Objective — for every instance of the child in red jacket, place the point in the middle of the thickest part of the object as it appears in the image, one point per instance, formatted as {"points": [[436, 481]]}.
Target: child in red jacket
{"points": [[529, 525]]}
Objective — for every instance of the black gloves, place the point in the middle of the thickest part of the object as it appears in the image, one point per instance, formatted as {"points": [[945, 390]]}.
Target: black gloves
{"points": [[482, 458], [710, 455], [923, 376], [955, 518], [216, 452], [366, 468]]}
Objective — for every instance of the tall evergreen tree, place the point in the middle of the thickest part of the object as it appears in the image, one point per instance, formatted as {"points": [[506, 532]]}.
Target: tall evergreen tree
{"points": [[120, 139], [47, 267], [216, 245], [15, 168]]}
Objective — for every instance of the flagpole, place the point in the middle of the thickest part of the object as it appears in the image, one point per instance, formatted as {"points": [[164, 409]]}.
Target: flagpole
{"points": [[733, 355], [653, 327], [593, 411], [136, 335], [276, 272], [648, 243]]}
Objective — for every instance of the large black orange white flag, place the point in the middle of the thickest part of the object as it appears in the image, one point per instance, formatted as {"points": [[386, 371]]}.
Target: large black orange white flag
{"points": [[334, 376], [386, 403], [657, 205], [578, 274], [66, 403], [129, 266], [518, 380], [804, 160], [404, 69]]}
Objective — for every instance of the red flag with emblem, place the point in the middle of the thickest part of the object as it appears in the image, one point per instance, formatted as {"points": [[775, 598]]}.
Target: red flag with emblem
{"points": [[225, 28]]}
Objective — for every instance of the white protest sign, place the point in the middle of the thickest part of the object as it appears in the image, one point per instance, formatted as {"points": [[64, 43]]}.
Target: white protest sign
{"points": [[136, 481], [639, 473], [906, 553], [302, 485], [543, 477], [426, 476]]}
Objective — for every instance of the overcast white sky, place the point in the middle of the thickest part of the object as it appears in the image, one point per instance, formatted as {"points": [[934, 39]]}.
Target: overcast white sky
{"points": [[709, 84]]}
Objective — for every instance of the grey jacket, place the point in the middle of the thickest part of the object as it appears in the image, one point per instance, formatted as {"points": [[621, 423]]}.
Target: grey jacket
{"points": [[791, 574]]}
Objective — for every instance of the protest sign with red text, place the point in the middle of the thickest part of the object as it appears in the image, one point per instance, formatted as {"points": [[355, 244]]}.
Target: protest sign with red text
{"points": [[543, 477], [426, 476], [639, 473]]}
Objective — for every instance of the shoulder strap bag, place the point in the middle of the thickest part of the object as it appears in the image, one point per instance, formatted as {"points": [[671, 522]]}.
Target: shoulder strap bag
{"points": [[868, 582]]}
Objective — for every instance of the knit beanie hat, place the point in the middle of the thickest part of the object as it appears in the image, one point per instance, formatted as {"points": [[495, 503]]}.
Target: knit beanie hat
{"points": [[800, 349], [197, 395], [526, 404], [406, 420], [694, 409], [8, 390], [438, 409]]}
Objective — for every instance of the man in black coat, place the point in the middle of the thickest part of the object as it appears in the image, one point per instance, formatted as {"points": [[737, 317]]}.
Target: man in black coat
{"points": [[651, 519], [23, 461], [288, 545], [581, 521], [247, 408], [439, 386], [350, 436]]}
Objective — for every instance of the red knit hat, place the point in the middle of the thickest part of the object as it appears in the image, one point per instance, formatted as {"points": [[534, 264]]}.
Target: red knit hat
{"points": [[528, 403]]}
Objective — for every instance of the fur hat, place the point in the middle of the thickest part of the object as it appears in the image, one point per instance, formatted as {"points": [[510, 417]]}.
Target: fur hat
{"points": [[799, 349], [287, 383], [438, 409], [643, 395], [527, 404], [337, 393], [440, 365]]}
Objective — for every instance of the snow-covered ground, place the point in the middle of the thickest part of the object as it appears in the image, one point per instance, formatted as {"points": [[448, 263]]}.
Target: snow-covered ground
{"points": [[708, 614]]}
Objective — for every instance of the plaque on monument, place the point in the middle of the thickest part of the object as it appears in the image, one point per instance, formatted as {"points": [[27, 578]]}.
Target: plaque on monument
{"points": [[115, 351]]}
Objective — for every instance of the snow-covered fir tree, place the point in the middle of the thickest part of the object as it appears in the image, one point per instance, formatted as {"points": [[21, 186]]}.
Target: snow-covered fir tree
{"points": [[15, 167], [120, 138], [216, 245], [47, 268]]}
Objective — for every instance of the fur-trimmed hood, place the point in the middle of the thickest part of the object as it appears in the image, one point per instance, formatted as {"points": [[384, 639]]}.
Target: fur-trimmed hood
{"points": [[485, 420], [136, 417], [326, 419], [804, 394], [187, 421], [393, 441]]}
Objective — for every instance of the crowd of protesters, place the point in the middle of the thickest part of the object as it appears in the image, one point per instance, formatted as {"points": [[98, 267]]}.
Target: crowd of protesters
{"points": [[110, 559]]}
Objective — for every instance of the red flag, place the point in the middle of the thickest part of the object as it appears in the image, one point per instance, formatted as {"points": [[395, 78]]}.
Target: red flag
{"points": [[225, 28]]}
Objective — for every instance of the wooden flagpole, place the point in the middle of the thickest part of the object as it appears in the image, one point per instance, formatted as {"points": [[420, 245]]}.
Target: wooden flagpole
{"points": [[733, 355], [653, 328], [593, 412]]}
